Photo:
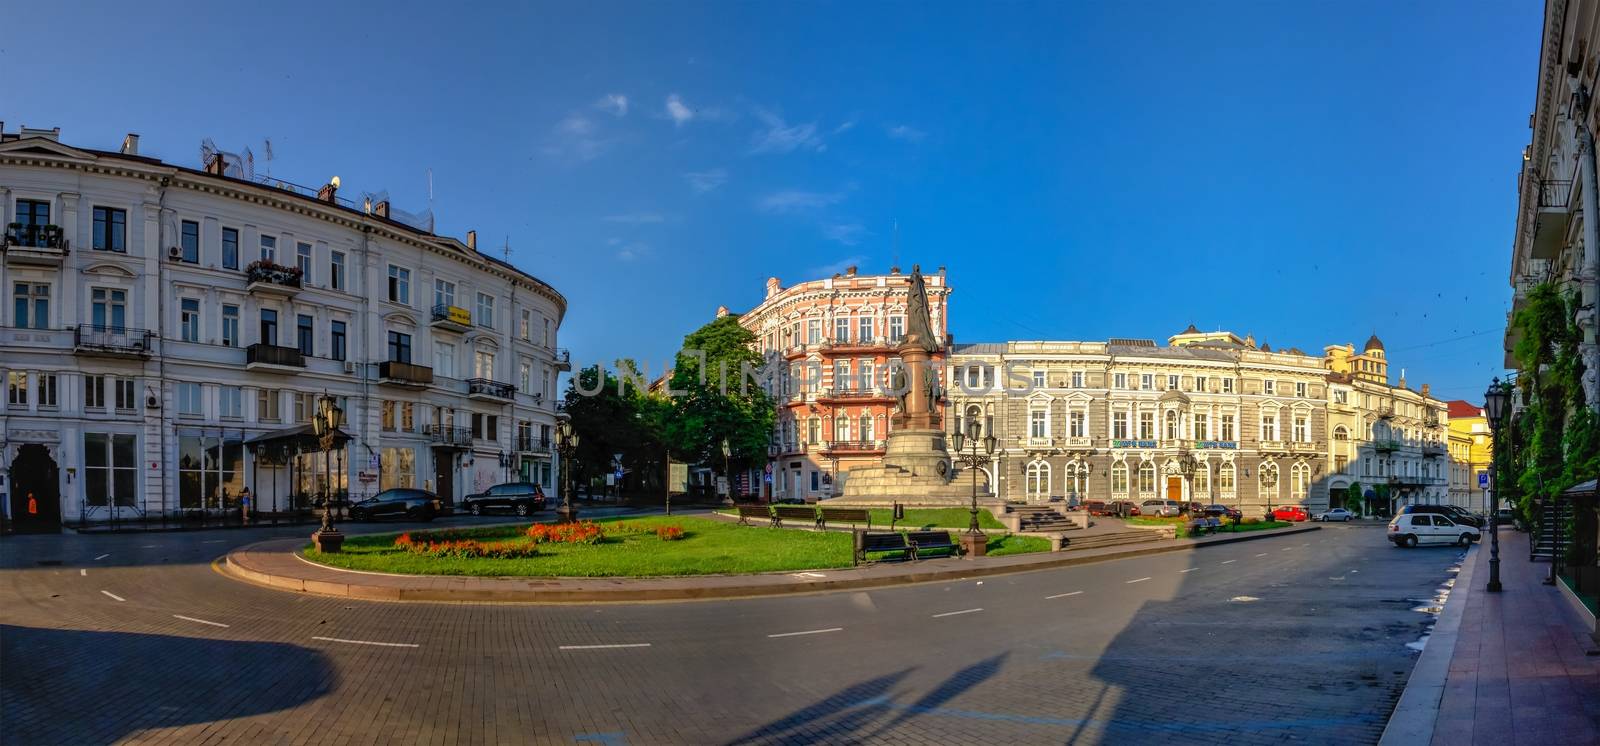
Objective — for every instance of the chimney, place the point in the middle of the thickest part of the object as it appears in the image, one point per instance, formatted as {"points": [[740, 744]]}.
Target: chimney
{"points": [[1425, 389], [381, 209], [722, 311], [850, 271], [472, 240], [773, 287], [1402, 378], [894, 270], [218, 165], [329, 191], [130, 144]]}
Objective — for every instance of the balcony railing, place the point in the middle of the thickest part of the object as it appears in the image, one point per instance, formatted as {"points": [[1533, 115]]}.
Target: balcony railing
{"points": [[855, 391], [405, 373], [1432, 450], [1385, 445], [90, 339], [264, 354], [446, 316], [532, 444], [448, 437], [35, 236], [264, 276], [853, 446], [1554, 193], [563, 358], [484, 388], [1385, 413]]}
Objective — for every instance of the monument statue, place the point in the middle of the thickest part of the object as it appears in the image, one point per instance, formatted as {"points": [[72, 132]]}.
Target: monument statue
{"points": [[919, 323]]}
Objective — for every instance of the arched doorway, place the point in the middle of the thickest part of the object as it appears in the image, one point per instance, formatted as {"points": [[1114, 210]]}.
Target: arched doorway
{"points": [[35, 491]]}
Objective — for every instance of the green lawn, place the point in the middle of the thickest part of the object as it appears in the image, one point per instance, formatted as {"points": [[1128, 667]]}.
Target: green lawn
{"points": [[708, 548], [1181, 524], [920, 518], [1003, 545]]}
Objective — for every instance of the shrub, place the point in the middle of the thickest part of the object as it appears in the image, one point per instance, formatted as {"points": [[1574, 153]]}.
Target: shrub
{"points": [[579, 532], [669, 533], [1250, 521]]}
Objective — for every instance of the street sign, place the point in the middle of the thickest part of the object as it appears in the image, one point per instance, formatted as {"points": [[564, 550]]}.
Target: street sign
{"points": [[611, 480], [678, 477], [722, 485], [1483, 480], [366, 477]]}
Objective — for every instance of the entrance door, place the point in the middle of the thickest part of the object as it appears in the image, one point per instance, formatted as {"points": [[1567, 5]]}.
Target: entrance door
{"points": [[1175, 489], [444, 477], [35, 491]]}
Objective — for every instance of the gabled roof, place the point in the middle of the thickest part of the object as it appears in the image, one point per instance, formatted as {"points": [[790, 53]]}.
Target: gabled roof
{"points": [[1463, 408]]}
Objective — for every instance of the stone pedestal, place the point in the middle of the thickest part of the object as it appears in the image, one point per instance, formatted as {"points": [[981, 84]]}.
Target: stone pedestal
{"points": [[974, 545], [328, 541]]}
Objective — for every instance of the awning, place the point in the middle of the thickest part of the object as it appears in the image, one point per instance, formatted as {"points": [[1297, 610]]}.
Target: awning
{"points": [[299, 437], [1581, 488]]}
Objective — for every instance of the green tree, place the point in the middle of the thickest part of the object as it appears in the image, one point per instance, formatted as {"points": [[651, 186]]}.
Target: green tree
{"points": [[1354, 500], [608, 419], [713, 400]]}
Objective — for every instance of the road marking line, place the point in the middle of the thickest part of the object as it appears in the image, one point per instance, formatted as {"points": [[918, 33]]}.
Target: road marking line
{"points": [[215, 541], [103, 556], [83, 572], [201, 621], [369, 642], [1192, 569], [1227, 561], [1285, 549], [1263, 554], [808, 632], [1135, 580], [606, 647], [1063, 595], [953, 613], [148, 546], [113, 595]]}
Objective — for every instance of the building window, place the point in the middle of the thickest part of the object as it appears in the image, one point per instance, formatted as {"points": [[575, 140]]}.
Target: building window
{"points": [[525, 328], [1119, 478], [1172, 424], [1147, 382], [1227, 385], [267, 405], [1269, 387], [1038, 481], [189, 240], [1037, 426], [1200, 486], [444, 359], [230, 248], [1227, 428], [110, 229], [189, 319], [1078, 424], [485, 310], [1202, 425], [1225, 474], [189, 400], [1147, 478], [31, 305], [813, 331], [1269, 426], [269, 249], [1077, 379], [1039, 379], [32, 216], [1147, 425], [525, 377], [1119, 380], [841, 329], [1202, 384], [841, 428], [408, 416], [336, 270], [230, 403], [1299, 482], [866, 427], [1340, 396], [305, 405], [864, 329], [305, 333], [1119, 425], [302, 259], [399, 285], [230, 326], [1300, 389], [813, 430], [336, 339], [444, 293], [399, 347], [1269, 483], [111, 470], [386, 416], [94, 392], [47, 391], [483, 364], [549, 341], [124, 388], [897, 328], [397, 467], [269, 326], [1172, 383], [1302, 429]]}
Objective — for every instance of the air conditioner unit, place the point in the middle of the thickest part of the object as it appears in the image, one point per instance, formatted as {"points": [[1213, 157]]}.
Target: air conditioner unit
{"points": [[349, 366], [152, 402], [174, 253]]}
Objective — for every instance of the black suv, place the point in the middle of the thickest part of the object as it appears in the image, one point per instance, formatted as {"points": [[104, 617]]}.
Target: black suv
{"points": [[521, 497], [399, 502], [1455, 513]]}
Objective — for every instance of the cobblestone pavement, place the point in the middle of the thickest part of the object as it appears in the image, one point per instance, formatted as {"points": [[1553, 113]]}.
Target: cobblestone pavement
{"points": [[1295, 638]]}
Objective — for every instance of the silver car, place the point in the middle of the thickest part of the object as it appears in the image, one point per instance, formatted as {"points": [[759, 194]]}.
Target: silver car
{"points": [[1165, 508], [1337, 514]]}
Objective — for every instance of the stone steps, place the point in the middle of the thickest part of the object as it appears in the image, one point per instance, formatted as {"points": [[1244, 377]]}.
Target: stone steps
{"points": [[1042, 520], [1111, 539]]}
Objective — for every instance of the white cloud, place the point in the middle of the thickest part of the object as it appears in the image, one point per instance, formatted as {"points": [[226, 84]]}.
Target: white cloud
{"points": [[848, 234], [632, 251], [844, 127], [780, 137], [576, 124], [677, 111], [795, 200], [574, 138], [829, 270], [636, 218], [706, 181], [615, 103], [905, 132]]}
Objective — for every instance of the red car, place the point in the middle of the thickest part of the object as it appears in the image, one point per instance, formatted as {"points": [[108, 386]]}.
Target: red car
{"points": [[1290, 513]]}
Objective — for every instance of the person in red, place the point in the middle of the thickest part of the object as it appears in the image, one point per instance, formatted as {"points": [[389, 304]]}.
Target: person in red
{"points": [[33, 504]]}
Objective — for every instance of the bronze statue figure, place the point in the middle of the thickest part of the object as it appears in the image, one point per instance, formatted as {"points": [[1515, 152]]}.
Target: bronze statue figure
{"points": [[919, 324]]}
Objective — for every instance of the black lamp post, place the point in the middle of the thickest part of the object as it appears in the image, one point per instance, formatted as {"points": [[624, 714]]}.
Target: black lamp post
{"points": [[727, 469], [325, 425], [567, 444], [974, 543], [1494, 405]]}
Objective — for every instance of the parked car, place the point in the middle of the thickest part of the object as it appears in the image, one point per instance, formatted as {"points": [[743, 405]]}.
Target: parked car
{"points": [[1508, 517], [789, 501], [1223, 511], [1193, 508], [1411, 529], [1290, 513], [1095, 507], [1123, 508], [1337, 514], [1455, 513], [520, 497], [399, 502], [1166, 508]]}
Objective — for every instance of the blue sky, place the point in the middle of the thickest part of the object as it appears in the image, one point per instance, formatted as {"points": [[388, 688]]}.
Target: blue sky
{"points": [[1306, 172]]}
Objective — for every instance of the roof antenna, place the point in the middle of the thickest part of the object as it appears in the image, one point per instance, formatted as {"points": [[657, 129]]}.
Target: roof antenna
{"points": [[508, 248], [430, 190]]}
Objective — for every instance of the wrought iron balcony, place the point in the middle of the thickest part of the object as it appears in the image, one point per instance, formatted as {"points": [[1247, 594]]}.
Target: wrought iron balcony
{"points": [[532, 444], [41, 245], [273, 358], [1432, 450], [441, 436], [1385, 445], [853, 446], [563, 358], [451, 318], [264, 277], [486, 390], [404, 374], [853, 392], [112, 341]]}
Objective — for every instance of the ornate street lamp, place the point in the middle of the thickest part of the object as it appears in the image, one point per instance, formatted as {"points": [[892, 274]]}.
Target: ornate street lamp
{"points": [[325, 425], [974, 543], [567, 444], [1494, 405], [727, 469]]}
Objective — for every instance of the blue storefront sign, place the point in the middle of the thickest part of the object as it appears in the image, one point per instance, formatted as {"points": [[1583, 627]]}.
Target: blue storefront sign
{"points": [[1133, 444]]}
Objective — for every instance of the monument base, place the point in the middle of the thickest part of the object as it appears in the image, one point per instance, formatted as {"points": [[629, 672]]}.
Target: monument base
{"points": [[915, 473]]}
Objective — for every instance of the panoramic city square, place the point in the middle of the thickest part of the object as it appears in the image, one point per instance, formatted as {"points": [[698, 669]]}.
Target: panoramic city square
{"points": [[721, 373]]}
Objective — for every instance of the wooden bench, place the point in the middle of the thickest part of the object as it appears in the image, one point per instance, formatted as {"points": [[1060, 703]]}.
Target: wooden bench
{"points": [[922, 541], [844, 515], [1206, 525], [883, 542], [781, 513], [746, 512]]}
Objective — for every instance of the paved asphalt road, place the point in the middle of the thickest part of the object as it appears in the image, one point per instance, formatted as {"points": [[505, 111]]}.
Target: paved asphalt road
{"points": [[1292, 638]]}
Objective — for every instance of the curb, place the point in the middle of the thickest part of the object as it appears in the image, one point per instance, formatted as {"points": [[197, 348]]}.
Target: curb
{"points": [[1417, 712], [435, 588]]}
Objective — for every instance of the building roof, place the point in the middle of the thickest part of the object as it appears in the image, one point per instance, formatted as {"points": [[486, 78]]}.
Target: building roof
{"points": [[1463, 408], [1373, 343], [978, 348]]}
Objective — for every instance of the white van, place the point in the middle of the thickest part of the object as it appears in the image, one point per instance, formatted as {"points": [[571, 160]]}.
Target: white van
{"points": [[1411, 529]]}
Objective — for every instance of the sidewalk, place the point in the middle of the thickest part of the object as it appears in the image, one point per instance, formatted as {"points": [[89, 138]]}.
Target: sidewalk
{"points": [[1517, 673]]}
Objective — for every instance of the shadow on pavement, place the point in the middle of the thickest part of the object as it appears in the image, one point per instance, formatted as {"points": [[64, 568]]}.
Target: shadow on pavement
{"points": [[69, 686]]}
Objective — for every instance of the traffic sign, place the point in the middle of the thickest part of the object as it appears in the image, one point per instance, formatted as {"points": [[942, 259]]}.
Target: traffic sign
{"points": [[1483, 480]]}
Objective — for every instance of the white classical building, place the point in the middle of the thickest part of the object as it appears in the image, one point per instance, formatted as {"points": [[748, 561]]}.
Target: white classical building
{"points": [[169, 330]]}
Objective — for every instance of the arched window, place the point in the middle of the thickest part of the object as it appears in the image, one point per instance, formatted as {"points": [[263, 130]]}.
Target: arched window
{"points": [[1147, 478], [1119, 478], [1172, 424], [1077, 473], [1340, 433], [1269, 483], [1299, 482], [1038, 481], [1200, 486], [866, 427], [1225, 481], [841, 428]]}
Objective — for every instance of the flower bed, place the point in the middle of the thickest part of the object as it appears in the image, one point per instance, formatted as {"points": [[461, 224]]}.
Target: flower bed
{"points": [[465, 548], [579, 532]]}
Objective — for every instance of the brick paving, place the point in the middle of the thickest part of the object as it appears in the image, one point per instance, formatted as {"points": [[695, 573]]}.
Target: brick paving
{"points": [[1519, 673]]}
